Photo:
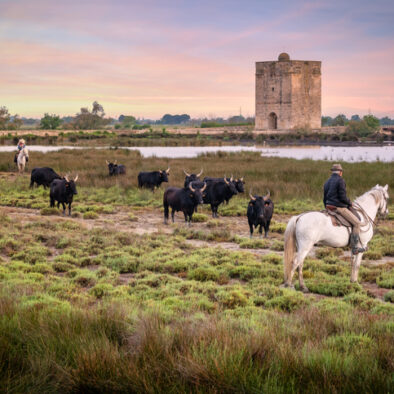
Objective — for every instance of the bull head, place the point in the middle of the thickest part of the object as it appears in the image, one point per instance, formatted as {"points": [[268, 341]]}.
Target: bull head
{"points": [[191, 188], [200, 173], [250, 195], [168, 170], [186, 173], [267, 196]]}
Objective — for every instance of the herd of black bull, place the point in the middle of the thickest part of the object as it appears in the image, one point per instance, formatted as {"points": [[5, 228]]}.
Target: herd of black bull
{"points": [[213, 191]]}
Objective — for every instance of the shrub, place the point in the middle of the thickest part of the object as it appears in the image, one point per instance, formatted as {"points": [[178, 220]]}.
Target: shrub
{"points": [[199, 218], [232, 298], [278, 246], [278, 227], [203, 274], [331, 285], [386, 279], [101, 290], [49, 211], [272, 258], [389, 296], [90, 215], [290, 300], [372, 255]]}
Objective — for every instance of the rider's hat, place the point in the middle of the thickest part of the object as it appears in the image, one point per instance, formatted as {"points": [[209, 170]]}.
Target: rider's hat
{"points": [[336, 167]]}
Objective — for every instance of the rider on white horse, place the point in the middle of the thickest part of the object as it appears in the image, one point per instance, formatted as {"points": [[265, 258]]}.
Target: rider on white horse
{"points": [[21, 145], [335, 198]]}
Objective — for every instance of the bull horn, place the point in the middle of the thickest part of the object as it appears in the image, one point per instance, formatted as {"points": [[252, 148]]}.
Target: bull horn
{"points": [[191, 188], [160, 171], [200, 173], [225, 179], [107, 161], [251, 197], [76, 178], [267, 196], [115, 161], [205, 186], [168, 170], [231, 179], [186, 173], [66, 178]]}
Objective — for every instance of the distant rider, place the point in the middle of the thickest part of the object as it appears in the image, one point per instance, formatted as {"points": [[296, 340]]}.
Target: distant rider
{"points": [[335, 198], [19, 147]]}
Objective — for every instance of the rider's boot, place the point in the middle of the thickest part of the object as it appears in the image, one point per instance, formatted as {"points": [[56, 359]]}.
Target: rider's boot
{"points": [[354, 242]]}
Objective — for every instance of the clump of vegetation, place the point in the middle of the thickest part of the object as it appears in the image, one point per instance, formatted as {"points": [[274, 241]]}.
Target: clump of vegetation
{"points": [[90, 215]]}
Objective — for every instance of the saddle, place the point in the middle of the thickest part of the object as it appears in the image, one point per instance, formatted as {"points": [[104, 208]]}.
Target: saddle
{"points": [[336, 218]]}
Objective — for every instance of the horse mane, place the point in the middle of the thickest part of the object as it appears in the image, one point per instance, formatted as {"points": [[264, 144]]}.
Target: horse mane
{"points": [[374, 192]]}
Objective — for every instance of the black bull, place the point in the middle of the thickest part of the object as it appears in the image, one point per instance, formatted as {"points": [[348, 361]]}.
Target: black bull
{"points": [[185, 200], [191, 177], [115, 169], [152, 179], [217, 192], [62, 191], [260, 211], [43, 176]]}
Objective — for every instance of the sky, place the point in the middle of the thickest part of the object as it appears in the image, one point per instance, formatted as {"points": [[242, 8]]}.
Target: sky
{"points": [[152, 57]]}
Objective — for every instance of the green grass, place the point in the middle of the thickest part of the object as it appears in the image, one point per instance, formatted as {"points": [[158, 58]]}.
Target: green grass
{"points": [[86, 306]]}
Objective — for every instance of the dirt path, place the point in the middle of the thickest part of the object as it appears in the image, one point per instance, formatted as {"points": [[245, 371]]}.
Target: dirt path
{"points": [[150, 221]]}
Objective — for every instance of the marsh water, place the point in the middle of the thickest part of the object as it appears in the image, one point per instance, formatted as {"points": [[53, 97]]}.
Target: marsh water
{"points": [[331, 153]]}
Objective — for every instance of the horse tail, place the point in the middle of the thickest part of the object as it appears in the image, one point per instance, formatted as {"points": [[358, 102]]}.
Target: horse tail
{"points": [[290, 246]]}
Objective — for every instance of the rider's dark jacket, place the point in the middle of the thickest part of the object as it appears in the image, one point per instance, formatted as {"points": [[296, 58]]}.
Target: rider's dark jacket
{"points": [[335, 192]]}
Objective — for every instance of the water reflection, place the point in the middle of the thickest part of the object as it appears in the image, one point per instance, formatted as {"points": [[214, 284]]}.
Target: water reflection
{"points": [[331, 153]]}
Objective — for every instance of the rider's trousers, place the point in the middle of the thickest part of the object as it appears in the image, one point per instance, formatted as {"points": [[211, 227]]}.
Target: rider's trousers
{"points": [[351, 218]]}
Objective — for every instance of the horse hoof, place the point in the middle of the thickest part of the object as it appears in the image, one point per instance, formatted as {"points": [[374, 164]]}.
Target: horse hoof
{"points": [[305, 290]]}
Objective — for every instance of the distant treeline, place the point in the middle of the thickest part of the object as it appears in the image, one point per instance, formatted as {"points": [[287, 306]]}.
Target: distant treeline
{"points": [[95, 118]]}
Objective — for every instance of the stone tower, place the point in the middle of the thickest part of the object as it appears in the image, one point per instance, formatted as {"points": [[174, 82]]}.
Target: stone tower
{"points": [[288, 94]]}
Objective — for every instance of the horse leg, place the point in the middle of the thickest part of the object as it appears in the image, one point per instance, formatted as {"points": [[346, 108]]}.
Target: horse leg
{"points": [[298, 263], [301, 279], [356, 262]]}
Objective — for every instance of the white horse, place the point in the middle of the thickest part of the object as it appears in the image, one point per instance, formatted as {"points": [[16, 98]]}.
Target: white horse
{"points": [[21, 161], [311, 228]]}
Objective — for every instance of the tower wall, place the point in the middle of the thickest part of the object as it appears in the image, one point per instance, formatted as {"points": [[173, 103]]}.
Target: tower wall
{"points": [[290, 89]]}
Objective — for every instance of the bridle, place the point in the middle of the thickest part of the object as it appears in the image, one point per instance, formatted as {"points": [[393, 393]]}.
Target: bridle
{"points": [[367, 218]]}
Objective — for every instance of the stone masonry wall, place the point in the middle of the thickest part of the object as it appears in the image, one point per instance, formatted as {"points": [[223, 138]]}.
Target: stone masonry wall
{"points": [[290, 89]]}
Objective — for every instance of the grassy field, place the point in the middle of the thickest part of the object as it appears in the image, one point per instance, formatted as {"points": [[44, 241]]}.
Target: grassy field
{"points": [[112, 300]]}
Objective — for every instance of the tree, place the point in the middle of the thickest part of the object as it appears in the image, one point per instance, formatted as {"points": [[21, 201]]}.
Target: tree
{"points": [[174, 119], [326, 120], [356, 118], [358, 128], [340, 120], [15, 123], [50, 122], [90, 120], [372, 122], [386, 121], [4, 118]]}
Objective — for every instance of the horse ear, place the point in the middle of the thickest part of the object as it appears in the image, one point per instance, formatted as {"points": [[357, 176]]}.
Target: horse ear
{"points": [[386, 188]]}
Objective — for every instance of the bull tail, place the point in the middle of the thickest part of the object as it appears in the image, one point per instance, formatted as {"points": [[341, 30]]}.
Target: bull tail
{"points": [[290, 248]]}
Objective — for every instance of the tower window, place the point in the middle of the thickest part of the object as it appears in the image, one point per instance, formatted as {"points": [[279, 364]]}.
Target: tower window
{"points": [[273, 89]]}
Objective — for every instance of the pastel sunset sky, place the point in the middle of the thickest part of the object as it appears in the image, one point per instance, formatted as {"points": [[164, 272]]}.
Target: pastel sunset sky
{"points": [[147, 58]]}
